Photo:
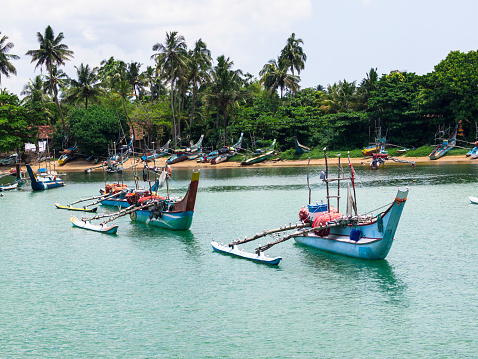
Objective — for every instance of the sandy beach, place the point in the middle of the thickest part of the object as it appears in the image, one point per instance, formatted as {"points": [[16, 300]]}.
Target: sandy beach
{"points": [[80, 165]]}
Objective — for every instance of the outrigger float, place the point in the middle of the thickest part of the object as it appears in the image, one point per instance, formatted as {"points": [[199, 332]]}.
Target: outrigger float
{"points": [[321, 226]]}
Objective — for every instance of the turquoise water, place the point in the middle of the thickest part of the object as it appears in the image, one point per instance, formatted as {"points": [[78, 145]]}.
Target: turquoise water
{"points": [[148, 292]]}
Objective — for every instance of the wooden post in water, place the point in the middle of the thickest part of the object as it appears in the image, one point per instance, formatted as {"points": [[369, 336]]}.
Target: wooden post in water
{"points": [[18, 173]]}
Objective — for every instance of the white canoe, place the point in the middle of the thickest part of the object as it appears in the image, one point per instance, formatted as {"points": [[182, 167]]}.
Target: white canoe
{"points": [[474, 200], [234, 251], [85, 224]]}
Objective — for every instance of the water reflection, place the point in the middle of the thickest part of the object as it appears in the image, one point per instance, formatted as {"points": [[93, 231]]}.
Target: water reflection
{"points": [[148, 236], [375, 276]]}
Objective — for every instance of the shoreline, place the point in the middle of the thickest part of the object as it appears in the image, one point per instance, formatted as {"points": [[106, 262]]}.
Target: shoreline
{"points": [[81, 165]]}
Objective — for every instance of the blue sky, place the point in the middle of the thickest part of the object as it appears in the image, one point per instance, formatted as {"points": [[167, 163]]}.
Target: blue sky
{"points": [[343, 39]]}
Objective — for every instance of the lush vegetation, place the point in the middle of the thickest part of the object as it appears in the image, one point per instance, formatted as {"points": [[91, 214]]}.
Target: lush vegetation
{"points": [[184, 93]]}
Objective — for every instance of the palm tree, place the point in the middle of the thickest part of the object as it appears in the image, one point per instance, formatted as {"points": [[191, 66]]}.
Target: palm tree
{"points": [[172, 56], [86, 87], [293, 54], [52, 52], [274, 76], [342, 97], [226, 90], [368, 84], [199, 65], [6, 66], [153, 80], [134, 77], [34, 93]]}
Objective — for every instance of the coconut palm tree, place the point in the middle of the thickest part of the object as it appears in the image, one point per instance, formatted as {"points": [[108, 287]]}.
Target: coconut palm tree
{"points": [[6, 66], [34, 93], [86, 88], [50, 54], [225, 90], [199, 66], [172, 57], [133, 75], [274, 76], [293, 54]]}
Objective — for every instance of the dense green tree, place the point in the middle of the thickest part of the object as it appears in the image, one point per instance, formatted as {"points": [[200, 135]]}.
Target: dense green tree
{"points": [[95, 128], [51, 52], [6, 66], [395, 106], [342, 97], [18, 124], [451, 90], [86, 88]]}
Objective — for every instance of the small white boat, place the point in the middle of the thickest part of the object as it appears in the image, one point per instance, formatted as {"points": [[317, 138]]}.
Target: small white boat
{"points": [[234, 251], [474, 200], [85, 224]]}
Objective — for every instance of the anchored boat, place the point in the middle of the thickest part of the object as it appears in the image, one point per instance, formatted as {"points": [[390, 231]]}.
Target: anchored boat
{"points": [[364, 236], [43, 181]]}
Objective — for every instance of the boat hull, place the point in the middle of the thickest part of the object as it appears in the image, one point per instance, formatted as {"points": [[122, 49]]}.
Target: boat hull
{"points": [[93, 227], [115, 203], [44, 182], [234, 251], [473, 200], [177, 221], [376, 238]]}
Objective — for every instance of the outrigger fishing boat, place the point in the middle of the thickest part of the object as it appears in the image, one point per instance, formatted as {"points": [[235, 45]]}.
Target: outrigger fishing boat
{"points": [[264, 155], [184, 154], [14, 185], [446, 146], [379, 159], [160, 152], [175, 213], [364, 236], [43, 181], [299, 148], [68, 155]]}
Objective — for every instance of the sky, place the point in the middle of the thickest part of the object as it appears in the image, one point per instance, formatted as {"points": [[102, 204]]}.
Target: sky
{"points": [[343, 39]]}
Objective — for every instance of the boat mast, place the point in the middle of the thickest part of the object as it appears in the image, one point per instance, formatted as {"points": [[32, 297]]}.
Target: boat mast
{"points": [[308, 183], [338, 185], [327, 179]]}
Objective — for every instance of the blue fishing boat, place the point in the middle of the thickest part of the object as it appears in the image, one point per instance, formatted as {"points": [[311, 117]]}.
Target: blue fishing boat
{"points": [[160, 152], [44, 181], [167, 212], [364, 236], [473, 153], [299, 148], [446, 146]]}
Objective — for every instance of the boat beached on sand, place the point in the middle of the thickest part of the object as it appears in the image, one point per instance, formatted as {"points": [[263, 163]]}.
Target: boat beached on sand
{"points": [[364, 236], [446, 146]]}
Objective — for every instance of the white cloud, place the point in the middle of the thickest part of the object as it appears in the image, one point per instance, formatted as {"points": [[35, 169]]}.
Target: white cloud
{"points": [[95, 29]]}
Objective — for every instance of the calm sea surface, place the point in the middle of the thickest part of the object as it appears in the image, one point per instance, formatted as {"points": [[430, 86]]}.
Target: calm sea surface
{"points": [[147, 292]]}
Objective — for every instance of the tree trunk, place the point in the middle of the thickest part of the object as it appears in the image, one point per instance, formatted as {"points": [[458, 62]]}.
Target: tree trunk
{"points": [[172, 107], [224, 111], [191, 117]]}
